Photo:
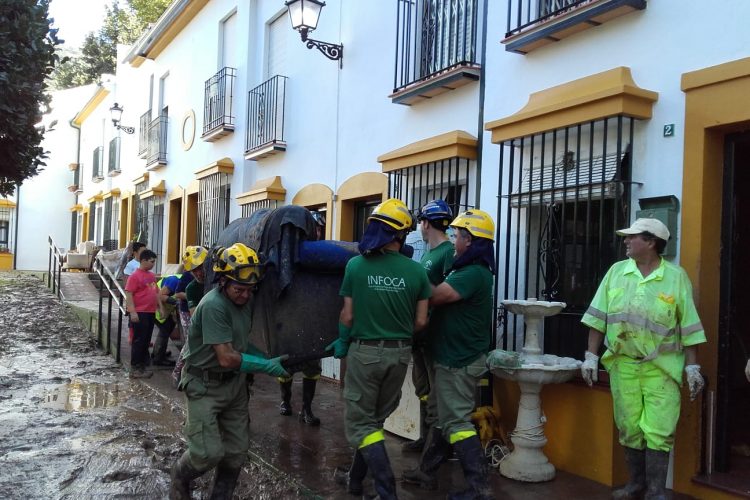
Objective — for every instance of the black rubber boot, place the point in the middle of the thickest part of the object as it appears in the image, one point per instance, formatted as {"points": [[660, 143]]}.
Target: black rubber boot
{"points": [[418, 445], [474, 465], [224, 483], [636, 485], [182, 473], [353, 477], [308, 393], [657, 465], [285, 408], [436, 451], [377, 462]]}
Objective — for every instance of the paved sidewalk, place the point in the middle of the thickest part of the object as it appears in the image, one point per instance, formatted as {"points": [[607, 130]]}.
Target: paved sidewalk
{"points": [[309, 455]]}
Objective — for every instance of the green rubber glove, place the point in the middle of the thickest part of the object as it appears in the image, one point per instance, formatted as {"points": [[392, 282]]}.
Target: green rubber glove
{"points": [[340, 346], [257, 364]]}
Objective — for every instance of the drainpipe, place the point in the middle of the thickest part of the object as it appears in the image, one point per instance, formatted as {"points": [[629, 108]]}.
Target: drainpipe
{"points": [[480, 114]]}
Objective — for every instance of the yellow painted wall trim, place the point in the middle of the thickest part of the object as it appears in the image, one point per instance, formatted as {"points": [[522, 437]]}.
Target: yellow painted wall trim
{"points": [[193, 187], [177, 192], [6, 261], [142, 178], [90, 106], [358, 187], [112, 192], [158, 190], [7, 203], [715, 74], [265, 189], [313, 194], [97, 197], [223, 166], [76, 208], [440, 147], [72, 167], [594, 97]]}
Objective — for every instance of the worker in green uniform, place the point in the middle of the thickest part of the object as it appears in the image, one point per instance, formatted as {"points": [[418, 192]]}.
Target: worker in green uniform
{"points": [[644, 313], [385, 302], [458, 342], [218, 357], [434, 219]]}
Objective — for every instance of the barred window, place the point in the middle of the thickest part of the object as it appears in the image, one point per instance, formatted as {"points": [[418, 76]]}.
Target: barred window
{"points": [[92, 221], [213, 207], [6, 236], [249, 208], [150, 225]]}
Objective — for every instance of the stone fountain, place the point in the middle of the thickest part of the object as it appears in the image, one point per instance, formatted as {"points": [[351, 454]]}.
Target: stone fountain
{"points": [[532, 370]]}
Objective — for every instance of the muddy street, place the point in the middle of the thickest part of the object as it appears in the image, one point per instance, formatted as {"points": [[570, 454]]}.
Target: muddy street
{"points": [[72, 425]]}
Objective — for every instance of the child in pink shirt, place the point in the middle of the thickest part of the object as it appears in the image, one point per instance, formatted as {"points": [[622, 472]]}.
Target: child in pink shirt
{"points": [[141, 298]]}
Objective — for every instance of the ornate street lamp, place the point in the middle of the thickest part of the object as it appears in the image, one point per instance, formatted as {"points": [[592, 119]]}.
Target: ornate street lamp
{"points": [[116, 113], [304, 15]]}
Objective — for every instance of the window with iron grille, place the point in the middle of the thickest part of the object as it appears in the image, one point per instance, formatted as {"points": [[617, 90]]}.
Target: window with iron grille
{"points": [[140, 213], [92, 221], [97, 166], [6, 219], [265, 115], [145, 123], [114, 156], [150, 225], [217, 102], [213, 207], [157, 140], [73, 229], [434, 36], [249, 209], [77, 179], [109, 230], [563, 194]]}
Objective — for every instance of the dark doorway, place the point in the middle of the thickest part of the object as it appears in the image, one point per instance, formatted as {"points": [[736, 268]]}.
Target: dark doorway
{"points": [[362, 210], [732, 452]]}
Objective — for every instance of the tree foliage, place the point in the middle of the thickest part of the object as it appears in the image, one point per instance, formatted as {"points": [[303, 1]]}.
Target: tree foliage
{"points": [[99, 50], [27, 57]]}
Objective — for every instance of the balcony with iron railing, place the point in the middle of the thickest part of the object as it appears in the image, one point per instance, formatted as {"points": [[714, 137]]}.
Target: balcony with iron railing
{"points": [[97, 164], [77, 186], [535, 23], [143, 134], [156, 153], [265, 119], [436, 48], [218, 119], [113, 167]]}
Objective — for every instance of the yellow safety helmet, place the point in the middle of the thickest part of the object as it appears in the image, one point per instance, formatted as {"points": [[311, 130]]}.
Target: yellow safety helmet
{"points": [[193, 257], [477, 222], [393, 212], [239, 263]]}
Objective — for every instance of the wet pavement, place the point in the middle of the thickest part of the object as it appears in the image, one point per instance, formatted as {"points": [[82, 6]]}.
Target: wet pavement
{"points": [[74, 426]]}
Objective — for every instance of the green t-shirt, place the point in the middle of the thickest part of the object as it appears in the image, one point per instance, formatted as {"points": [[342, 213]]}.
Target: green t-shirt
{"points": [[217, 321], [194, 293], [437, 261], [460, 331], [384, 289]]}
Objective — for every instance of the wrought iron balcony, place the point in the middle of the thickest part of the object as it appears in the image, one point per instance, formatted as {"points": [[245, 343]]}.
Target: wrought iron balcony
{"points": [[218, 120], [77, 186], [436, 48], [532, 24], [143, 134], [114, 157], [156, 153], [97, 164], [265, 119]]}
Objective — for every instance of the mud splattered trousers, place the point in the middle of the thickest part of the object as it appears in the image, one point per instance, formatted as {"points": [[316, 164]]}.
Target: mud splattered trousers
{"points": [[455, 390], [646, 404], [217, 427]]}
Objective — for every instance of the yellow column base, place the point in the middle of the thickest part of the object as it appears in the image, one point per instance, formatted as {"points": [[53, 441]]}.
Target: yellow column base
{"points": [[6, 261]]}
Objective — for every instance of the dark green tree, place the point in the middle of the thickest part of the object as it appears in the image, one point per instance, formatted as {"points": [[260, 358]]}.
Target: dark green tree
{"points": [[27, 57]]}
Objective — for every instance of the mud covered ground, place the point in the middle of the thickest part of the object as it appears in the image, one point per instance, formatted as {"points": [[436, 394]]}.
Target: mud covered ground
{"points": [[71, 423]]}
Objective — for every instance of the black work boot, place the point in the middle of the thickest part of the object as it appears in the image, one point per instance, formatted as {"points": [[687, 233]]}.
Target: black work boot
{"points": [[418, 445], [377, 461], [182, 473], [159, 356], [657, 464], [353, 477], [436, 451], [308, 393], [285, 408], [636, 485], [224, 482], [474, 465]]}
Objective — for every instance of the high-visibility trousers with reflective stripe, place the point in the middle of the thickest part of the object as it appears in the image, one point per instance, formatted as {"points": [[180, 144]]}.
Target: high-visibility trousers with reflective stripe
{"points": [[646, 404]]}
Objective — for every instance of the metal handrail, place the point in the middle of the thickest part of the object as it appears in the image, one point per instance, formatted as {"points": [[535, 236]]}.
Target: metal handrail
{"points": [[54, 267], [116, 293]]}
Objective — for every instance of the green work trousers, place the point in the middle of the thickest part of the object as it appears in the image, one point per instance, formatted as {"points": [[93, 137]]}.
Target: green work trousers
{"points": [[646, 404], [431, 418], [455, 390], [372, 387], [217, 427]]}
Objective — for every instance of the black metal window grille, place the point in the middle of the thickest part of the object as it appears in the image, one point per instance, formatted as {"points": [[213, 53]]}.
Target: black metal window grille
{"points": [[433, 36], [77, 177], [97, 164], [523, 14], [449, 180], [92, 221], [157, 139], [99, 224], [143, 133], [114, 155], [249, 209], [79, 229], [213, 207], [140, 212], [217, 102], [150, 225], [265, 114], [563, 193], [73, 229], [107, 226], [6, 223]]}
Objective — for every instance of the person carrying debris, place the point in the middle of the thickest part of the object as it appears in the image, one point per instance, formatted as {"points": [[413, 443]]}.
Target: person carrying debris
{"points": [[141, 299], [644, 312], [218, 357], [458, 341], [166, 321], [385, 302]]}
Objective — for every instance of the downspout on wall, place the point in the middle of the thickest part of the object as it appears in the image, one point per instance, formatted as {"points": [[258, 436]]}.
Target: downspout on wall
{"points": [[480, 114]]}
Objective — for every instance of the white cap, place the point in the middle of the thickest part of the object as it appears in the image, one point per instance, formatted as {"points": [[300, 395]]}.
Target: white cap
{"points": [[653, 226]]}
